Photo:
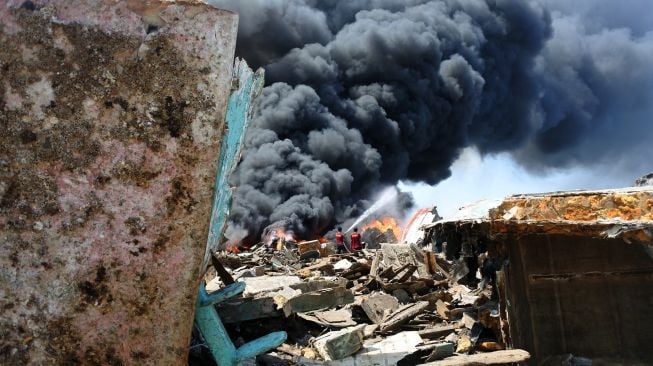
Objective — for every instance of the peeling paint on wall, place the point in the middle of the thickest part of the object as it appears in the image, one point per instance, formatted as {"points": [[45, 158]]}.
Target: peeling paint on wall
{"points": [[248, 85]]}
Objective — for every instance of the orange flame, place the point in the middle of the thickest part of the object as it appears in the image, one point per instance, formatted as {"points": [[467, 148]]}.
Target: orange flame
{"points": [[385, 224], [281, 233], [233, 248]]}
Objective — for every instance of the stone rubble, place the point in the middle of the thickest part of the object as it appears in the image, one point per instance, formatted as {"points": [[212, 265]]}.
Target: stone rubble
{"points": [[392, 305]]}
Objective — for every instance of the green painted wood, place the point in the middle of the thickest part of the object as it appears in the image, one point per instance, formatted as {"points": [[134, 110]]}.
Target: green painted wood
{"points": [[249, 85]]}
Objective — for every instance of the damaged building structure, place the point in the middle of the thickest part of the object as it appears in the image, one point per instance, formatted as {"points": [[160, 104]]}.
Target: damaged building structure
{"points": [[574, 270], [115, 117]]}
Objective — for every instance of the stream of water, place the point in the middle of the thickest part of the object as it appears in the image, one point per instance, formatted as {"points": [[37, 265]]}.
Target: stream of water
{"points": [[387, 196]]}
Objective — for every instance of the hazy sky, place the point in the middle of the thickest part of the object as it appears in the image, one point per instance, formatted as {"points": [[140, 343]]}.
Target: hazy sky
{"points": [[496, 176]]}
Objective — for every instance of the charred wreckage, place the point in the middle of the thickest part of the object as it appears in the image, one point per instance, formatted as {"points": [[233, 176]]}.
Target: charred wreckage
{"points": [[547, 279], [116, 115]]}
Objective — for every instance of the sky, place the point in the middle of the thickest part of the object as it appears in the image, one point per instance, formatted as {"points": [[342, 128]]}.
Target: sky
{"points": [[496, 176], [473, 98]]}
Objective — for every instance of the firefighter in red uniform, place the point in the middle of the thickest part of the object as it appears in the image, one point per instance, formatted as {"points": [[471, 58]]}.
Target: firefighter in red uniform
{"points": [[356, 240], [340, 241]]}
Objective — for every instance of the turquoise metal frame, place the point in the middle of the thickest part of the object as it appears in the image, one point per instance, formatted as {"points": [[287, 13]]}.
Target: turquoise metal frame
{"points": [[215, 335], [208, 322]]}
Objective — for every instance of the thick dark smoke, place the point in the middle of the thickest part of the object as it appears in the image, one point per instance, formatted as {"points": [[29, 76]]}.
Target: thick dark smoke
{"points": [[596, 86], [361, 94]]}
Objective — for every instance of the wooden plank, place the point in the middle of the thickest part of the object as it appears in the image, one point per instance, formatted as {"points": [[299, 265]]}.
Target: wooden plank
{"points": [[443, 309], [403, 315], [490, 358], [375, 265], [222, 272], [438, 331], [409, 272]]}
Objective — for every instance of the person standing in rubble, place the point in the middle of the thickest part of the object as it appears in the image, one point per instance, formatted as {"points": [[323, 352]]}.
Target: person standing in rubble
{"points": [[340, 241], [356, 240]]}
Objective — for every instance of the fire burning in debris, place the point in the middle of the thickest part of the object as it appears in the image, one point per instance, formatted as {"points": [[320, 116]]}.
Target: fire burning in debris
{"points": [[232, 248], [280, 233], [383, 225]]}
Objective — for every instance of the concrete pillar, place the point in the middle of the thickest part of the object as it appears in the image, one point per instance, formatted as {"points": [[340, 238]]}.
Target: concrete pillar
{"points": [[111, 118]]}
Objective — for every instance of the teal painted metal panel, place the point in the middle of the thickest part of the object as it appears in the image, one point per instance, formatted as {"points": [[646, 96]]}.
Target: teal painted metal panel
{"points": [[217, 339], [248, 85]]}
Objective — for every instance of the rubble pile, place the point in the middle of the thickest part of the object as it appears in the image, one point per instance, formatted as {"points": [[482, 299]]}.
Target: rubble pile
{"points": [[396, 305]]}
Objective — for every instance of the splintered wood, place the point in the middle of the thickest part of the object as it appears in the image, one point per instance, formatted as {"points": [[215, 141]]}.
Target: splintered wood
{"points": [[358, 308]]}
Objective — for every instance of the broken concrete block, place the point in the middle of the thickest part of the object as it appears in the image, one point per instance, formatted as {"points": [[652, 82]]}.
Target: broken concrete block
{"points": [[441, 350], [378, 306], [443, 309], [386, 352], [459, 270], [340, 344], [464, 344], [370, 329], [111, 141], [342, 265], [281, 296], [399, 255], [327, 298], [317, 285], [330, 318], [262, 284]]}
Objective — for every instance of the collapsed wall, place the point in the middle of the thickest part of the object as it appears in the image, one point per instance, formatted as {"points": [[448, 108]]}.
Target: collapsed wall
{"points": [[574, 270], [111, 117]]}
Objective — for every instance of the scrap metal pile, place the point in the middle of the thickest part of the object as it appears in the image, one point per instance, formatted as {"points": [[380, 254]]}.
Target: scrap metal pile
{"points": [[394, 305]]}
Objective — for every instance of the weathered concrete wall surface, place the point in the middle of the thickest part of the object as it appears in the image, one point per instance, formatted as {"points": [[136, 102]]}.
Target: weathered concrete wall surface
{"points": [[111, 116]]}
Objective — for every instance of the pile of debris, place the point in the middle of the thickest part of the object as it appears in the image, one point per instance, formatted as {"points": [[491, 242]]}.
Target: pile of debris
{"points": [[396, 305]]}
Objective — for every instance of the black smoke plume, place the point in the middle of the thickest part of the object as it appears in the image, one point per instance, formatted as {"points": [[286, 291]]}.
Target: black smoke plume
{"points": [[363, 93]]}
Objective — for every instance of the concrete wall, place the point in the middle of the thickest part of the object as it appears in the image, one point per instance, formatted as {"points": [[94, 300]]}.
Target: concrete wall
{"points": [[586, 296], [111, 117]]}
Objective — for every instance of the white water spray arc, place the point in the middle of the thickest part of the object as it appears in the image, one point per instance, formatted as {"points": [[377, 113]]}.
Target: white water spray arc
{"points": [[388, 195]]}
